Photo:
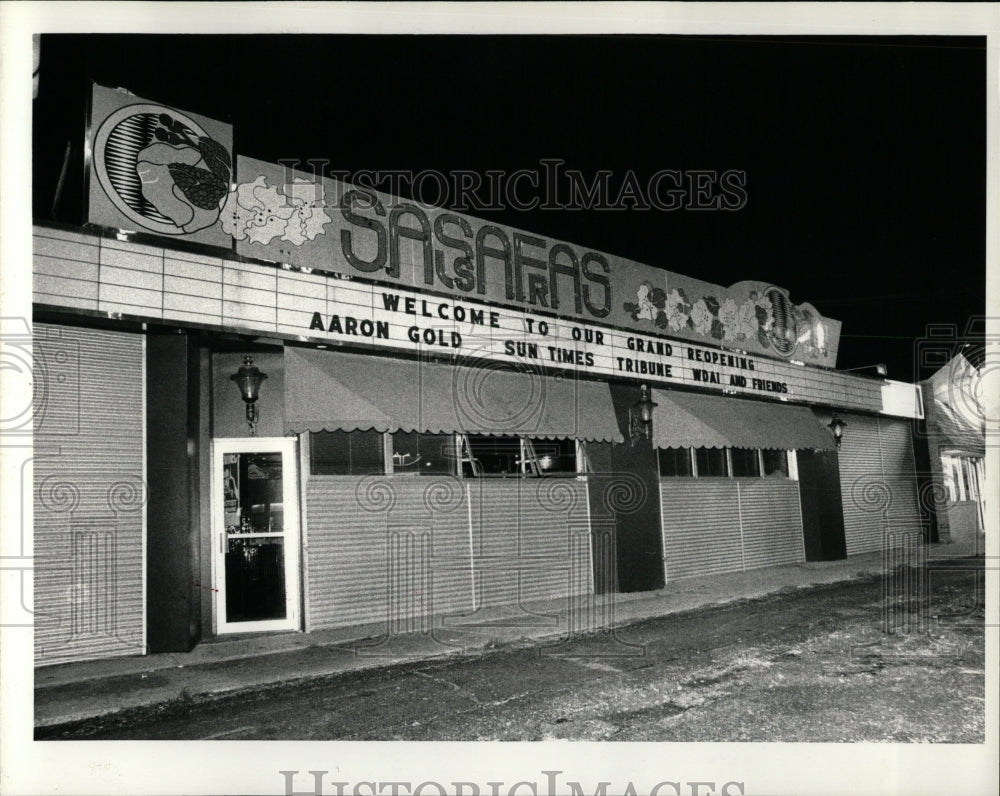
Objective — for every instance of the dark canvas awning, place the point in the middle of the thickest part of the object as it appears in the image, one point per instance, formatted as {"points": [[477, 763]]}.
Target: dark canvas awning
{"points": [[956, 432], [696, 420], [332, 391]]}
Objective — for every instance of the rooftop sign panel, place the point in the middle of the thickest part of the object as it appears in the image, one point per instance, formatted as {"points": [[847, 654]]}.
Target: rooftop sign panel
{"points": [[158, 170]]}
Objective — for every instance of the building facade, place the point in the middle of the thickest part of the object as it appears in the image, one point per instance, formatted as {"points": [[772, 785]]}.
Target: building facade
{"points": [[269, 401], [955, 437]]}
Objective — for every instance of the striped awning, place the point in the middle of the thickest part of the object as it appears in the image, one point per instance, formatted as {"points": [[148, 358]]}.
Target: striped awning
{"points": [[335, 391], [697, 420]]}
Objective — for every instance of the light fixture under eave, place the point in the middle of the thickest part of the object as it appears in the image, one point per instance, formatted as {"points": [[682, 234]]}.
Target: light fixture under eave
{"points": [[640, 416], [836, 425], [879, 368], [249, 378]]}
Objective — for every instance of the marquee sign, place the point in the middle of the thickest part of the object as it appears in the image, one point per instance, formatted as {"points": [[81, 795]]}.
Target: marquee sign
{"points": [[406, 320], [167, 172], [286, 216], [91, 274]]}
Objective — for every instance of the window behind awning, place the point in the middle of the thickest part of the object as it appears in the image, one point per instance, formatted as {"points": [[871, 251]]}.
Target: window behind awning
{"points": [[697, 420], [334, 391]]}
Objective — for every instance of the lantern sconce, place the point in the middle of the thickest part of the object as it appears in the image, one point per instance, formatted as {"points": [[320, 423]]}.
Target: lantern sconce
{"points": [[640, 416], [249, 378], [836, 425]]}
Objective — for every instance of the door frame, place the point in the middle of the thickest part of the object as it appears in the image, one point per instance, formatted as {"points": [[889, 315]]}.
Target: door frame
{"points": [[287, 446]]}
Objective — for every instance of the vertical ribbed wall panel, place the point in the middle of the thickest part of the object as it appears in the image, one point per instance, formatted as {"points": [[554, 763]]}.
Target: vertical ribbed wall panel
{"points": [[772, 522], [701, 527], [878, 481], [386, 549], [900, 471], [862, 485], [532, 539], [89, 494]]}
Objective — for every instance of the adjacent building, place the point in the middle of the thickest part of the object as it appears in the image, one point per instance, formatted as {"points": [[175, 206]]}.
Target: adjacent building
{"points": [[955, 436]]}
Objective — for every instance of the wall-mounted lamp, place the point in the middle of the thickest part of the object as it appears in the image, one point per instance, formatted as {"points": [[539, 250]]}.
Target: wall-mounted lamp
{"points": [[248, 378], [640, 416], [879, 367], [836, 425]]}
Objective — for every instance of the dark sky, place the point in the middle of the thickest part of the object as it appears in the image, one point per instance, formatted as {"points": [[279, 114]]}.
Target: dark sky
{"points": [[864, 157]]}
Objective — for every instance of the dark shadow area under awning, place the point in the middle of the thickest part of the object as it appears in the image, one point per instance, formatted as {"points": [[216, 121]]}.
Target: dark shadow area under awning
{"points": [[697, 420], [333, 391]]}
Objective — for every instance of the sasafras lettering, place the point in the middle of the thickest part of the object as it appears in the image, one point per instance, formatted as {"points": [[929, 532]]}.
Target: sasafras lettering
{"points": [[486, 261]]}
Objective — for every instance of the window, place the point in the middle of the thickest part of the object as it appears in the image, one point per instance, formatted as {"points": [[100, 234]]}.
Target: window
{"points": [[721, 463], [775, 462], [968, 479], [346, 453], [953, 479], [554, 456], [484, 455], [711, 462], [413, 453], [423, 454], [675, 462], [746, 462]]}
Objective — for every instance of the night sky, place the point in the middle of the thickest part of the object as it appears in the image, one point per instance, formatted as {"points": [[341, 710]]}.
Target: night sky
{"points": [[865, 158]]}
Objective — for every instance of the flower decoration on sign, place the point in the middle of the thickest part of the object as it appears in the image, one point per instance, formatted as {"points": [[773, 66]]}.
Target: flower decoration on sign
{"points": [[677, 310], [309, 218], [747, 323], [650, 305], [257, 212], [701, 317], [729, 319], [737, 320]]}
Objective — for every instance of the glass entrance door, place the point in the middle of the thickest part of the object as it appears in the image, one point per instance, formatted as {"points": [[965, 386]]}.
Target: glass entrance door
{"points": [[255, 517]]}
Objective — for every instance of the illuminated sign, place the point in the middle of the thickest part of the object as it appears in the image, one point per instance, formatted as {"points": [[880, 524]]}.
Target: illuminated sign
{"points": [[405, 320], [157, 169], [107, 276], [168, 172], [286, 216]]}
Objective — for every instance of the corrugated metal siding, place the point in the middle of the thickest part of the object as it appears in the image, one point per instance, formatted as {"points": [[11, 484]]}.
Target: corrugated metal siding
{"points": [[386, 549], [531, 539], [861, 485], [878, 482], [701, 527], [900, 474], [397, 549], [89, 494], [772, 522]]}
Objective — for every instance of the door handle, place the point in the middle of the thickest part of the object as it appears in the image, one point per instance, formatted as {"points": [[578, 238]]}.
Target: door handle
{"points": [[222, 543]]}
